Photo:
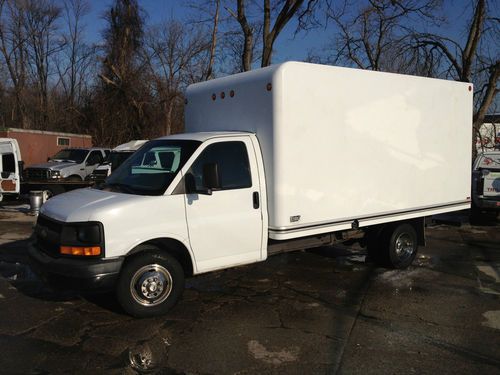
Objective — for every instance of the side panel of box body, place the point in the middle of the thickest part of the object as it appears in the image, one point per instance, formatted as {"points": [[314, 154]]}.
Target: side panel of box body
{"points": [[352, 144]]}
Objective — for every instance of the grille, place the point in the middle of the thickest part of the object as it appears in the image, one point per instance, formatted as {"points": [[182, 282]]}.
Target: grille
{"points": [[37, 173], [47, 234]]}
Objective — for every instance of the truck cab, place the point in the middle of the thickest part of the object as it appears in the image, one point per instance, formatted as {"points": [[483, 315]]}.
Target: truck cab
{"points": [[10, 167], [147, 227]]}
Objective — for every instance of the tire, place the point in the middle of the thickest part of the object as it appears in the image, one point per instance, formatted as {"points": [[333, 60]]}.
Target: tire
{"points": [[150, 284], [400, 246], [74, 179]]}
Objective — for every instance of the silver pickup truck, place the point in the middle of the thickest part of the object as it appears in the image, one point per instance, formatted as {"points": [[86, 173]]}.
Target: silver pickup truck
{"points": [[486, 183], [71, 164]]}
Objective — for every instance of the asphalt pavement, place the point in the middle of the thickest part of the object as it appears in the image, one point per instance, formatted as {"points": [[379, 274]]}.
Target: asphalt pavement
{"points": [[323, 311]]}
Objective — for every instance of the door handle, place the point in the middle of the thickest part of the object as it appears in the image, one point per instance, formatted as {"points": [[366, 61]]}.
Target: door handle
{"points": [[255, 198]]}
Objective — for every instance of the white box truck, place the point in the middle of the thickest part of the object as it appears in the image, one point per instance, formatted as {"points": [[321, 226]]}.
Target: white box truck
{"points": [[283, 158]]}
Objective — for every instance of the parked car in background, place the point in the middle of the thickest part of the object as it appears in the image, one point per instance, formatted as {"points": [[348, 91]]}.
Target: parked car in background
{"points": [[486, 183], [70, 164], [115, 158]]}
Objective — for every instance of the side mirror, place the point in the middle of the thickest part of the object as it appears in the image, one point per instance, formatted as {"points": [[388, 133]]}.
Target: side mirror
{"points": [[190, 186], [211, 176], [20, 165]]}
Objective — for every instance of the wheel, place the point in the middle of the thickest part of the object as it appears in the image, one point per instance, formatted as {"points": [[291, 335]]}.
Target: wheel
{"points": [[150, 284], [400, 247]]}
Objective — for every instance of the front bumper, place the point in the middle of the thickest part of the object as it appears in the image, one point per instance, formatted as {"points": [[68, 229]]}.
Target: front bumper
{"points": [[75, 274], [487, 204]]}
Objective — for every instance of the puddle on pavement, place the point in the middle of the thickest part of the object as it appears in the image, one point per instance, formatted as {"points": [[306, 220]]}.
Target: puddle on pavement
{"points": [[489, 271], [260, 352], [353, 262], [400, 279], [148, 356], [17, 271], [492, 319]]}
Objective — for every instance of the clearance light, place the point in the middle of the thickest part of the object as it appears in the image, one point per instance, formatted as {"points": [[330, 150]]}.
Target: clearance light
{"points": [[231, 93], [80, 250], [222, 95], [214, 96], [269, 86]]}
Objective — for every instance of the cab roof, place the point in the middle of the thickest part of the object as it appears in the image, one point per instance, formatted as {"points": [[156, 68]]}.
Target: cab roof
{"points": [[203, 136]]}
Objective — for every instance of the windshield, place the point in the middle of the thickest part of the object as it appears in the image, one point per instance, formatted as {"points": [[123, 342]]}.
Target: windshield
{"points": [[489, 161], [76, 156], [151, 169], [117, 158]]}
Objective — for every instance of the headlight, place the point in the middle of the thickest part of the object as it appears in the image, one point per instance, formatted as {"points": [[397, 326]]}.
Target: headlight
{"points": [[89, 234], [55, 174], [82, 239]]}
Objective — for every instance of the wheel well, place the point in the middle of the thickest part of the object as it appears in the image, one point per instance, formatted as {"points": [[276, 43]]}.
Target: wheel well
{"points": [[75, 176], [170, 246]]}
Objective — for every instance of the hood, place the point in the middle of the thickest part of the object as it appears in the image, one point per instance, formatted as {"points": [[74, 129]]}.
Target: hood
{"points": [[87, 204], [55, 166]]}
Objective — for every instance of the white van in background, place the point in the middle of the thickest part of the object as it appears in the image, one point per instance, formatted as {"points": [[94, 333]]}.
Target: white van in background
{"points": [[10, 167]]}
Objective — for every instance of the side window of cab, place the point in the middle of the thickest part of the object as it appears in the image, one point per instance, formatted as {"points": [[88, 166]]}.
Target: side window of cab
{"points": [[232, 163], [94, 158]]}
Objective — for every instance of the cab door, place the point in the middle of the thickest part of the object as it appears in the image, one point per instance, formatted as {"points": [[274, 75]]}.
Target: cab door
{"points": [[93, 160], [225, 223], [9, 169]]}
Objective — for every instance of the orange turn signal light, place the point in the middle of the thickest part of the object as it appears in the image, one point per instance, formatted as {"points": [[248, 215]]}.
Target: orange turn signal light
{"points": [[80, 250]]}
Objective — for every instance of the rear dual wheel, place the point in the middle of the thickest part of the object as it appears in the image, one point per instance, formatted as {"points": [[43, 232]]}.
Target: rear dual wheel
{"points": [[395, 247]]}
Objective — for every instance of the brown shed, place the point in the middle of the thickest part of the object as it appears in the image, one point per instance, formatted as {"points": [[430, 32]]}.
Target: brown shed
{"points": [[36, 145]]}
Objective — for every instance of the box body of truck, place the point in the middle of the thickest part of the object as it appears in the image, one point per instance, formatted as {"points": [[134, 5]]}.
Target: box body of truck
{"points": [[343, 145]]}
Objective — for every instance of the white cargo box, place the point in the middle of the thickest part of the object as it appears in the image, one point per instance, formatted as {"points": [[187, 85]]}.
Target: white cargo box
{"points": [[342, 144]]}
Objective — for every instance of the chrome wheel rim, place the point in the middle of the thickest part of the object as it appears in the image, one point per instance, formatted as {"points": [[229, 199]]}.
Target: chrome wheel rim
{"points": [[151, 285], [404, 246]]}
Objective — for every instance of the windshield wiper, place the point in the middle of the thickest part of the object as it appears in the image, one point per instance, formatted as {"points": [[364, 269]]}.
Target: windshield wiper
{"points": [[124, 188]]}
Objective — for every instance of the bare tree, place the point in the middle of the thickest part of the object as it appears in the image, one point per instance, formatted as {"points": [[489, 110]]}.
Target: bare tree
{"points": [[40, 29], [471, 60], [247, 33], [282, 11], [376, 35], [14, 56], [177, 55], [213, 43], [121, 103], [74, 64]]}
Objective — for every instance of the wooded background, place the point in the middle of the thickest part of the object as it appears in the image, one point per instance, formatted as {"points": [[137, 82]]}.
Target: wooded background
{"points": [[130, 84]]}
